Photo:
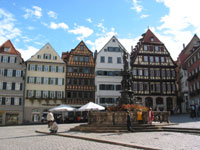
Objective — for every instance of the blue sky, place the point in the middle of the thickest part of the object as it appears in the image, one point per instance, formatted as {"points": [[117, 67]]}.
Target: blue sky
{"points": [[33, 23]]}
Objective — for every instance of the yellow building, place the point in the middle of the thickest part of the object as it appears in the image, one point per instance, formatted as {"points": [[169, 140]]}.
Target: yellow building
{"points": [[45, 83]]}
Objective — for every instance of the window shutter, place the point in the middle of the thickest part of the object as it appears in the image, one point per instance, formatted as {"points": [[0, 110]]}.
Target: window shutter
{"points": [[14, 73], [13, 86], [50, 56], [34, 93], [1, 58], [35, 67], [62, 94], [42, 80], [20, 101], [63, 81], [56, 81], [49, 80], [44, 56], [56, 68], [27, 79], [28, 66], [20, 86], [63, 69], [27, 93], [21, 73], [56, 94], [15, 59], [41, 94], [12, 100], [8, 59], [5, 72], [35, 79], [42, 67], [49, 68], [48, 94]]}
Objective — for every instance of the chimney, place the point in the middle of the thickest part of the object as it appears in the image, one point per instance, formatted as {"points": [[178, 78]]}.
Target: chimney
{"points": [[183, 46]]}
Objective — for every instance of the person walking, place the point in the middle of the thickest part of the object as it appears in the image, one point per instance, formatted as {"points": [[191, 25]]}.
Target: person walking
{"points": [[129, 128], [50, 118]]}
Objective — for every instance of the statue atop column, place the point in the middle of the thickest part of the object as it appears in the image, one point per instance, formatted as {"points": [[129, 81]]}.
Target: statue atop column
{"points": [[126, 83]]}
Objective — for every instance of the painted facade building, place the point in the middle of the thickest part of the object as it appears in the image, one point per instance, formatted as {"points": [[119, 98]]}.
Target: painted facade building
{"points": [[193, 69], [183, 74], [109, 64], [154, 74], [45, 83], [80, 66], [12, 75]]}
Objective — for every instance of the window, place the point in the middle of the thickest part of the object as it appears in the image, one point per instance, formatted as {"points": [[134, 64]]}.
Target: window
{"points": [[151, 59], [17, 86], [6, 49], [134, 72], [38, 94], [53, 68], [1, 85], [39, 68], [60, 69], [151, 39], [52, 94], [162, 59], [69, 69], [9, 86], [113, 40], [38, 80], [102, 59], [109, 59], [9, 73], [18, 73], [119, 60], [53, 81], [146, 72], [47, 56], [156, 48], [46, 80], [146, 58], [32, 67], [54, 57], [86, 70], [86, 59], [118, 87], [60, 81], [81, 47], [46, 68], [39, 56], [145, 47], [75, 58], [30, 93], [16, 101], [1, 72], [59, 94], [45, 94], [12, 59], [140, 72], [81, 58], [31, 80], [157, 59], [5, 59]]}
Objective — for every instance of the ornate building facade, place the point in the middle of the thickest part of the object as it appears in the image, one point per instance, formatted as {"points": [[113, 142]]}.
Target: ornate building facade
{"points": [[80, 66], [154, 74], [45, 83], [12, 75]]}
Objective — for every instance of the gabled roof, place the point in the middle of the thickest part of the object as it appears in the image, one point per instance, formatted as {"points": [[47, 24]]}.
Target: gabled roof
{"points": [[119, 44], [8, 44], [147, 38], [81, 43]]}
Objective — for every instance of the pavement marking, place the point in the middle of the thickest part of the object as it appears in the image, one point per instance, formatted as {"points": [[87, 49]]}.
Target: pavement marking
{"points": [[100, 141]]}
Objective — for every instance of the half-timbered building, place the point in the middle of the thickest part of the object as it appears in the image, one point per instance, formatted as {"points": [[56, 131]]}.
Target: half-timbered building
{"points": [[80, 86], [154, 74]]}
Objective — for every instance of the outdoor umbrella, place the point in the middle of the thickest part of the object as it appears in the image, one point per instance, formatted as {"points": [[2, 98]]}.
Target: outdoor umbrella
{"points": [[62, 108], [91, 106]]}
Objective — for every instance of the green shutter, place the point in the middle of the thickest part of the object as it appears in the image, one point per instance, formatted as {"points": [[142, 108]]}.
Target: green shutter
{"points": [[48, 94], [49, 80], [63, 81], [42, 80], [27, 93], [56, 81], [34, 79], [50, 56], [28, 66], [63, 69], [35, 67], [49, 68], [62, 94], [34, 94], [56, 68], [41, 94], [42, 67], [56, 94], [27, 79]]}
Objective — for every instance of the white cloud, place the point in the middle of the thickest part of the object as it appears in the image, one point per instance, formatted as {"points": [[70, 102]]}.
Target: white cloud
{"points": [[89, 20], [7, 26], [35, 11], [61, 25], [138, 8], [28, 52], [52, 14], [179, 25], [144, 16], [83, 31]]}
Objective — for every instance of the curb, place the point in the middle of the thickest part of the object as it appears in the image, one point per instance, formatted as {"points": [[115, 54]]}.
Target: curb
{"points": [[100, 141]]}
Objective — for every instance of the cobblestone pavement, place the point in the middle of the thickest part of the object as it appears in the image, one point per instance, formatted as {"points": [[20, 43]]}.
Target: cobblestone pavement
{"points": [[25, 138]]}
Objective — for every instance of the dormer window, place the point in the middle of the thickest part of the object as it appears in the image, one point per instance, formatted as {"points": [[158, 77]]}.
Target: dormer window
{"points": [[151, 39], [113, 40], [6, 49], [81, 47]]}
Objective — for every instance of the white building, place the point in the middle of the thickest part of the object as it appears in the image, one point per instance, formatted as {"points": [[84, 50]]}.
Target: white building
{"points": [[109, 63]]}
